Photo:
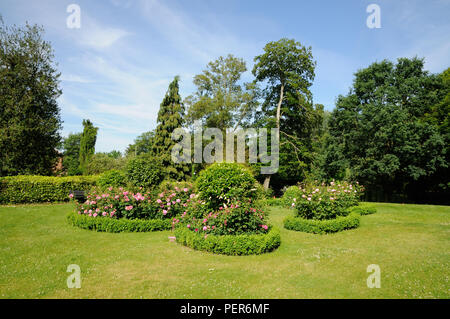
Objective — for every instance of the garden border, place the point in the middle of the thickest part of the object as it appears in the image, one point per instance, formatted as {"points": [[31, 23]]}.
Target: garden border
{"points": [[338, 224], [251, 244], [113, 225]]}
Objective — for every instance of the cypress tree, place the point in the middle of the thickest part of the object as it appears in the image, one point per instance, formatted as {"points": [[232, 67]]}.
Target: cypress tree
{"points": [[87, 143], [170, 117]]}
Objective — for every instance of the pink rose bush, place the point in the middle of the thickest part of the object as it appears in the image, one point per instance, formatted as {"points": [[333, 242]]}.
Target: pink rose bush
{"points": [[121, 203], [325, 201], [240, 217]]}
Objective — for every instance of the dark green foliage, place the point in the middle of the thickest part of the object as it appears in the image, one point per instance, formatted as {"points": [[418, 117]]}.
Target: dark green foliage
{"points": [[322, 226], [71, 159], [379, 132], [230, 244], [170, 117], [113, 225], [222, 183], [145, 171], [112, 178], [29, 113], [39, 189], [87, 144]]}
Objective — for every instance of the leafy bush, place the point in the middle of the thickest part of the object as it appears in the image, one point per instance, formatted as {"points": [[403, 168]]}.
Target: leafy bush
{"points": [[169, 185], [245, 244], [102, 162], [325, 201], [144, 171], [271, 202], [222, 183], [120, 203], [113, 225], [112, 178], [38, 189], [290, 193], [322, 226]]}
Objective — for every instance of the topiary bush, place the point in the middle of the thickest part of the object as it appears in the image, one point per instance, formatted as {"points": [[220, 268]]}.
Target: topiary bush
{"points": [[112, 178], [38, 189], [222, 183], [144, 171], [322, 226], [244, 244]]}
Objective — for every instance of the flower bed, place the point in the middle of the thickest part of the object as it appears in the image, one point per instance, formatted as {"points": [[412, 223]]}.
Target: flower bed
{"points": [[114, 225], [117, 210], [244, 244], [322, 226]]}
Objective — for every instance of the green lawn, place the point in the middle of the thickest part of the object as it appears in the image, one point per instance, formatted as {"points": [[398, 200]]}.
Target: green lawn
{"points": [[409, 242]]}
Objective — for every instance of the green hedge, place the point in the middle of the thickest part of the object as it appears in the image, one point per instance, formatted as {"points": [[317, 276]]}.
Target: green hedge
{"points": [[39, 189], [364, 210], [230, 244], [113, 225], [322, 226]]}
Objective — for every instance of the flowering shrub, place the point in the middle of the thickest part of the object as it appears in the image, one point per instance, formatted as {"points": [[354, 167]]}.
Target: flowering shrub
{"points": [[121, 203], [325, 201], [237, 218]]}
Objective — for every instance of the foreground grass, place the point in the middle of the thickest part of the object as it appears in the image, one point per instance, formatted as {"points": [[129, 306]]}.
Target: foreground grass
{"points": [[410, 243]]}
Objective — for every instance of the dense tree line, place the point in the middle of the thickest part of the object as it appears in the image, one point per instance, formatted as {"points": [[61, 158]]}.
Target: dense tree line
{"points": [[390, 131]]}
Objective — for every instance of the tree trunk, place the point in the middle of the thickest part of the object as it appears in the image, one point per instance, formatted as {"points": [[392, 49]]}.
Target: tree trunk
{"points": [[278, 116]]}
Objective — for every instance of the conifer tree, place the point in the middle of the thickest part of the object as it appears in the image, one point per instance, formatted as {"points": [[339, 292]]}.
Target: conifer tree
{"points": [[87, 143], [170, 117]]}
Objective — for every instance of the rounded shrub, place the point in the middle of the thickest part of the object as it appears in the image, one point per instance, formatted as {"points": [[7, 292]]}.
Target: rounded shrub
{"points": [[322, 226], [244, 244], [112, 178], [144, 171], [114, 225], [221, 183], [364, 210]]}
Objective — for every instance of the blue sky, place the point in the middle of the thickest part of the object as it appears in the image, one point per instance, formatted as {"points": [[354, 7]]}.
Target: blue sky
{"points": [[116, 68]]}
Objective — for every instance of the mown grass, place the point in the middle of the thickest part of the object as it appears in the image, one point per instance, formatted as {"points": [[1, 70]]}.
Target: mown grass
{"points": [[410, 243]]}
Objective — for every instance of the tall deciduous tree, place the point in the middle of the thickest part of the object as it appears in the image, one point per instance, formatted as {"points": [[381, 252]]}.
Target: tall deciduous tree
{"points": [[288, 69], [29, 113], [87, 143], [170, 117], [221, 101]]}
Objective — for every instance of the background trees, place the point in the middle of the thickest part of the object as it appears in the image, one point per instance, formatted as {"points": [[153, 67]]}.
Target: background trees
{"points": [[71, 155], [29, 114], [379, 131]]}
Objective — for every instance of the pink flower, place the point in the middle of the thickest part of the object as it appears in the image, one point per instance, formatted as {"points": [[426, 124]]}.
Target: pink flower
{"points": [[95, 215], [128, 208], [79, 213], [205, 220], [178, 200], [265, 227], [196, 229], [205, 228], [70, 195], [189, 226], [164, 212], [293, 204], [104, 213], [159, 201], [116, 197], [112, 214], [185, 189]]}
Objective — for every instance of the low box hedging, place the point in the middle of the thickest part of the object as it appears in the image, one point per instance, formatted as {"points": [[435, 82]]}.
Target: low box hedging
{"points": [[364, 210], [39, 189], [113, 225], [322, 226], [229, 244]]}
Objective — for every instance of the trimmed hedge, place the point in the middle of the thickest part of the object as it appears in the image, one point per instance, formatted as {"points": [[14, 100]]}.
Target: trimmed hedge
{"points": [[39, 189], [113, 225], [230, 244], [322, 226], [364, 210]]}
